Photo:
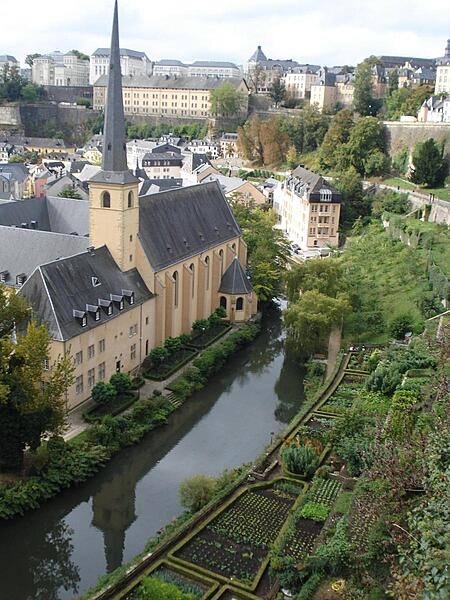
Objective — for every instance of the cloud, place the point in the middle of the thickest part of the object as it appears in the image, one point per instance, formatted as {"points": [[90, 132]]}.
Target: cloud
{"points": [[324, 32]]}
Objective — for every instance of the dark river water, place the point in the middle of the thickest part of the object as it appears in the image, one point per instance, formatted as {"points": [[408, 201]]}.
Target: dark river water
{"points": [[60, 550]]}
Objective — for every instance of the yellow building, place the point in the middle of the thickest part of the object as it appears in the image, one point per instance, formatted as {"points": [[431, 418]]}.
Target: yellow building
{"points": [[154, 265]]}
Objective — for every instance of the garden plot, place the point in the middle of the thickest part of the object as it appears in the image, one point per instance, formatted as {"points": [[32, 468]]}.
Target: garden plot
{"points": [[236, 542], [343, 398]]}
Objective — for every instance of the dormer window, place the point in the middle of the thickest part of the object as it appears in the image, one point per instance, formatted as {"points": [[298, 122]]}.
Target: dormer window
{"points": [[21, 278], [117, 300], [106, 305], [129, 295], [325, 195], [80, 316], [4, 276], [34, 224], [94, 311]]}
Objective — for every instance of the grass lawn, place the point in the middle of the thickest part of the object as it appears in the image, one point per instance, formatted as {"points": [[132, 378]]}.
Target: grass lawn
{"points": [[442, 193]]}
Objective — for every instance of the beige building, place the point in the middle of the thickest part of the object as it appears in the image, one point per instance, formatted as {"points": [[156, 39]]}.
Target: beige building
{"points": [[308, 210], [61, 70], [298, 82], [179, 97], [154, 265]]}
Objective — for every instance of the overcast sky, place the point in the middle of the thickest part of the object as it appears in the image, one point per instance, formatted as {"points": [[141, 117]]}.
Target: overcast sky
{"points": [[322, 32]]}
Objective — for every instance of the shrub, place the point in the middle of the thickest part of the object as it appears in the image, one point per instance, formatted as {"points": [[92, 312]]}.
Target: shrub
{"points": [[221, 312], [400, 326], [172, 344], [332, 556], [196, 492], [121, 382], [200, 325], [153, 588], [158, 355], [301, 460], [102, 392]]}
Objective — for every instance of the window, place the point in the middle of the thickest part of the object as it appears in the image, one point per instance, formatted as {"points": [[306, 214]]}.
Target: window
{"points": [[46, 364], [147, 320], [221, 262], [101, 371], [91, 351], [130, 199], [79, 384], [106, 200], [133, 352], [91, 378], [133, 330], [207, 272], [101, 346], [79, 357], [176, 282], [192, 269], [239, 303], [223, 302]]}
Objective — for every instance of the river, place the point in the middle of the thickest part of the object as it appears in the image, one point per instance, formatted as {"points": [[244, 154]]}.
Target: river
{"points": [[60, 550]]}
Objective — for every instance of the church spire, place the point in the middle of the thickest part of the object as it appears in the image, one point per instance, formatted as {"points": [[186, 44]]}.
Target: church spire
{"points": [[114, 149]]}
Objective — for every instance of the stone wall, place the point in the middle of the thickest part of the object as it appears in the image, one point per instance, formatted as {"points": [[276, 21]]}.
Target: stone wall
{"points": [[399, 134], [10, 120]]}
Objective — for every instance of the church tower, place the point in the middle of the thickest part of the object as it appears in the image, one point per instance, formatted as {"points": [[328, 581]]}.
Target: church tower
{"points": [[113, 192]]}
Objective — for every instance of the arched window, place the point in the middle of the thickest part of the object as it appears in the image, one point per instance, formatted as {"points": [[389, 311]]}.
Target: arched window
{"points": [[130, 199], [106, 200], [221, 262], [192, 269], [175, 297], [233, 247], [207, 272], [239, 303], [223, 302]]}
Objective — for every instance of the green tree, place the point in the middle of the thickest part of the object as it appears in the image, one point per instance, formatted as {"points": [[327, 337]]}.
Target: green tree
{"points": [[29, 92], [28, 408], [277, 91], [354, 203], [338, 134], [363, 100], [69, 192], [103, 392], [11, 83], [196, 492], [366, 141], [309, 321], [226, 101], [429, 166], [30, 58], [324, 276], [121, 382], [393, 81], [80, 55]]}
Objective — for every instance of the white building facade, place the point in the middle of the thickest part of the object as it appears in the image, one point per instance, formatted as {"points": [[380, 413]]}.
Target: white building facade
{"points": [[132, 62]]}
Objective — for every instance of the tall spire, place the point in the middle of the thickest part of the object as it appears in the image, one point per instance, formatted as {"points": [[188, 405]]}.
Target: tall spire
{"points": [[114, 150]]}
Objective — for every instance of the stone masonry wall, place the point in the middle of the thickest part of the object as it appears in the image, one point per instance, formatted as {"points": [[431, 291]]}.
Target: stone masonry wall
{"points": [[399, 134]]}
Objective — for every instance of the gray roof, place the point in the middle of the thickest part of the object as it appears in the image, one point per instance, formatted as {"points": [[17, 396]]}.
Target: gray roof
{"points": [[24, 249], [257, 56], [171, 157], [114, 150], [179, 223], [213, 63], [56, 186], [17, 170], [170, 82], [58, 288], [234, 280], [123, 52], [170, 62], [8, 58], [22, 140], [59, 215], [154, 186], [303, 181], [193, 160]]}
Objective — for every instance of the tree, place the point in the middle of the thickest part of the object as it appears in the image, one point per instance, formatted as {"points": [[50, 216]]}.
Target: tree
{"points": [[80, 55], [366, 145], [309, 321], [103, 392], [121, 382], [429, 166], [29, 408], [11, 83], [324, 276], [226, 101], [354, 203], [29, 92], [196, 492], [268, 250], [69, 192], [277, 91], [30, 58], [363, 100], [338, 133], [256, 77], [264, 142], [393, 81]]}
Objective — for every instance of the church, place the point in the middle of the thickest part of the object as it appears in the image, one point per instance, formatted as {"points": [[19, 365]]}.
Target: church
{"points": [[149, 268]]}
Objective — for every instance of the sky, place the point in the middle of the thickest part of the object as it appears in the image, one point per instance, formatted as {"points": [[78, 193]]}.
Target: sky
{"points": [[323, 32]]}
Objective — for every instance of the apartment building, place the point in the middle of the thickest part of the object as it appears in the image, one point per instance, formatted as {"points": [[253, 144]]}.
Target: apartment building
{"points": [[60, 70], [132, 63]]}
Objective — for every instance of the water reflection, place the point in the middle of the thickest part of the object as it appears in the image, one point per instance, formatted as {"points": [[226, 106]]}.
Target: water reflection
{"points": [[64, 547]]}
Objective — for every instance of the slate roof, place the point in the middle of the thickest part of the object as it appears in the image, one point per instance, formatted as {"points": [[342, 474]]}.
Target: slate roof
{"points": [[8, 58], [155, 157], [21, 140], [194, 160], [58, 288], [169, 82], [257, 56], [303, 181], [17, 170], [234, 280], [123, 52], [177, 224], [24, 249], [59, 215], [212, 63], [154, 186], [170, 62]]}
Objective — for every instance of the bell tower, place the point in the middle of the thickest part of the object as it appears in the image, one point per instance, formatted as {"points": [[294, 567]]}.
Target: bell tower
{"points": [[113, 192]]}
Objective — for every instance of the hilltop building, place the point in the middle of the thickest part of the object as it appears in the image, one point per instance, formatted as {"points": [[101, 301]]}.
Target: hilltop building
{"points": [[60, 70], [132, 63], [443, 72], [116, 275]]}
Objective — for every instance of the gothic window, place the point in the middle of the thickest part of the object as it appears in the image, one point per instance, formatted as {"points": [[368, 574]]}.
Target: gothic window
{"points": [[207, 272], [239, 303], [130, 199], [192, 269], [106, 200], [176, 284], [221, 262], [223, 302]]}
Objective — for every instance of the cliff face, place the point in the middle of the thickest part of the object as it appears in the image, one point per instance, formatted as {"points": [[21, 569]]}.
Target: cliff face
{"points": [[10, 120], [399, 134]]}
